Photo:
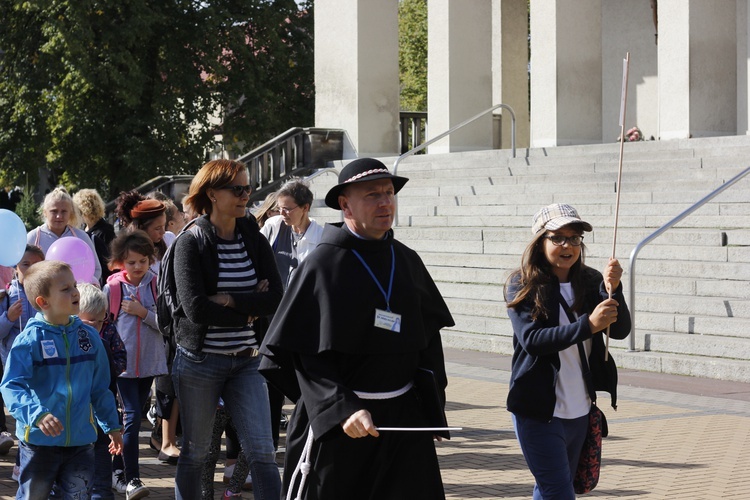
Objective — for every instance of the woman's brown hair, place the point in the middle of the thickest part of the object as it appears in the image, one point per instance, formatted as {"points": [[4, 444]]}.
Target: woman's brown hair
{"points": [[214, 174]]}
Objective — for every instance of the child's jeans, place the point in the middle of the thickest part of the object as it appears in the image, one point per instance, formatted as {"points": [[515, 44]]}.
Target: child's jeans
{"points": [[72, 467], [102, 482], [133, 393]]}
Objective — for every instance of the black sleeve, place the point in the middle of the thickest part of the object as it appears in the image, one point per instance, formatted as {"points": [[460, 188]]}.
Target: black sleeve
{"points": [[327, 400]]}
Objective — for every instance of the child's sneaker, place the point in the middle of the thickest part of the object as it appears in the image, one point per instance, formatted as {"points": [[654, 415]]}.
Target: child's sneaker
{"points": [[16, 473], [6, 442], [229, 495], [228, 471], [118, 481], [136, 489]]}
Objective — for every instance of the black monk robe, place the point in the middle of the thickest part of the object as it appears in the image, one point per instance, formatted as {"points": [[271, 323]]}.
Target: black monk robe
{"points": [[323, 345]]}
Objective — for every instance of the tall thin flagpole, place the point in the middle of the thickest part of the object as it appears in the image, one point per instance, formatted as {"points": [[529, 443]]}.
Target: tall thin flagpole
{"points": [[623, 105]]}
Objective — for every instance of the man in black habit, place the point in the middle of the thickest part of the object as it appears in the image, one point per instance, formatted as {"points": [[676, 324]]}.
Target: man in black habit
{"points": [[360, 318]]}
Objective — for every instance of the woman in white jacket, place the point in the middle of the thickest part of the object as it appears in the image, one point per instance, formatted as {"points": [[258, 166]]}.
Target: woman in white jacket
{"points": [[292, 235]]}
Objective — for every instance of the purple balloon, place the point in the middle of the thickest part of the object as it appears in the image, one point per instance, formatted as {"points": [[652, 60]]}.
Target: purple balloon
{"points": [[77, 254]]}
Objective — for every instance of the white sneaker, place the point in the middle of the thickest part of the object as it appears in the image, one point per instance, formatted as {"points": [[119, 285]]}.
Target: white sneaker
{"points": [[16, 473], [118, 481], [136, 489], [6, 442]]}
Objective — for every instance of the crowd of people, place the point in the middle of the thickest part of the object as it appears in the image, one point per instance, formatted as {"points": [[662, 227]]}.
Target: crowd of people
{"points": [[343, 320]]}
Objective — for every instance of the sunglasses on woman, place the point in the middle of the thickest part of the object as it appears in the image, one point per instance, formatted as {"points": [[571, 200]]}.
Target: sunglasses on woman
{"points": [[238, 190]]}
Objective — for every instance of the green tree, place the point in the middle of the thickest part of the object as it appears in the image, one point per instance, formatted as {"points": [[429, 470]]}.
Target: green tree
{"points": [[110, 94], [412, 57]]}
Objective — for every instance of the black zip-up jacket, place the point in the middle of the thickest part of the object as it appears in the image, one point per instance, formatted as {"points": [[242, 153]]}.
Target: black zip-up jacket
{"points": [[196, 278], [536, 344]]}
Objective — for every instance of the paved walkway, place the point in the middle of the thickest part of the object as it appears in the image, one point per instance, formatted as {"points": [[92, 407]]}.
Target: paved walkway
{"points": [[672, 437]]}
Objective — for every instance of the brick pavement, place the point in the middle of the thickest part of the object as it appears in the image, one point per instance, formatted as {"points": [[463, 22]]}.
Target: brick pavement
{"points": [[672, 437]]}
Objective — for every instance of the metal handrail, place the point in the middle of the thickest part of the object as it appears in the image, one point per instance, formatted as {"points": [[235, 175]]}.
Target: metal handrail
{"points": [[453, 129], [662, 230], [456, 127]]}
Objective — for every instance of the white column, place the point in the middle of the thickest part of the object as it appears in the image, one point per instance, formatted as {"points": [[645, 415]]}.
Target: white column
{"points": [[566, 72], [356, 72], [743, 67], [510, 58], [459, 72], [674, 69], [697, 68], [713, 68]]}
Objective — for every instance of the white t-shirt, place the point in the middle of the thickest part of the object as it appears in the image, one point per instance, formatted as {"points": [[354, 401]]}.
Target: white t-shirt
{"points": [[572, 396]]}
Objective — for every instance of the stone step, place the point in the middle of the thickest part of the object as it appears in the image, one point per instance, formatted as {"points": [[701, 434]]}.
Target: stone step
{"points": [[679, 364], [585, 211], [482, 325], [707, 345], [694, 306], [477, 308], [680, 323], [522, 235], [635, 221], [593, 250]]}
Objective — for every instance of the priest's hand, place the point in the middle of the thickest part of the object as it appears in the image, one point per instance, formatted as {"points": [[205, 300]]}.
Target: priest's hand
{"points": [[359, 425]]}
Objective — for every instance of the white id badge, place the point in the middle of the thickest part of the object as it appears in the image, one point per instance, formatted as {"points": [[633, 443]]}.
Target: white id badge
{"points": [[387, 320]]}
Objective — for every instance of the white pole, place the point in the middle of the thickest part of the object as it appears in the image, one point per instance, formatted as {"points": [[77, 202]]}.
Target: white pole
{"points": [[623, 105]]}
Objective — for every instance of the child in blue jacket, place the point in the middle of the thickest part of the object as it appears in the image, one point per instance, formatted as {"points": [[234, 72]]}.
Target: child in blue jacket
{"points": [[56, 386]]}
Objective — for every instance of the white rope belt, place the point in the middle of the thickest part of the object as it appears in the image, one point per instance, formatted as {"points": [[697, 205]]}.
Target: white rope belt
{"points": [[304, 466], [385, 395]]}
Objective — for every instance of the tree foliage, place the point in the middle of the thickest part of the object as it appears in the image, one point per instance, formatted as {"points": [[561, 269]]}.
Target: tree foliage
{"points": [[108, 94], [412, 58]]}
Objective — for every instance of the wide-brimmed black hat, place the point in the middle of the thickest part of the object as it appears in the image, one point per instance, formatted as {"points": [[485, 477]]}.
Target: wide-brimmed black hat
{"points": [[362, 170]]}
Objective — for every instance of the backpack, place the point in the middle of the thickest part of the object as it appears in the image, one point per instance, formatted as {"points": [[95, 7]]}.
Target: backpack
{"points": [[115, 299], [166, 300]]}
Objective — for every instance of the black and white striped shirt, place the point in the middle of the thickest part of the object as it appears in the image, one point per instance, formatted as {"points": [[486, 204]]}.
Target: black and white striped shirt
{"points": [[236, 275]]}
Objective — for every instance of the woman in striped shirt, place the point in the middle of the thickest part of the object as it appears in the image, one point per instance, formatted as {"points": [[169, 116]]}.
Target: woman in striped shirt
{"points": [[227, 283]]}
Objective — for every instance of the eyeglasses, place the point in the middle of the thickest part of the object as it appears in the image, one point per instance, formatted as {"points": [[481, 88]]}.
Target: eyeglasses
{"points": [[559, 240], [238, 190], [284, 210]]}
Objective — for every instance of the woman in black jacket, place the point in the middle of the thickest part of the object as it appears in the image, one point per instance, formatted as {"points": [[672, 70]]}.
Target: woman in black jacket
{"points": [[548, 395], [227, 283]]}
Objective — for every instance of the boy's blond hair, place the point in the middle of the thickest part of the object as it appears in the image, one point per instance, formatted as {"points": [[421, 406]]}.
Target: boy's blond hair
{"points": [[39, 278]]}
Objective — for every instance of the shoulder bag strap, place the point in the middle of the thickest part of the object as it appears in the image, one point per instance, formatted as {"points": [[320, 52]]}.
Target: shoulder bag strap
{"points": [[587, 377]]}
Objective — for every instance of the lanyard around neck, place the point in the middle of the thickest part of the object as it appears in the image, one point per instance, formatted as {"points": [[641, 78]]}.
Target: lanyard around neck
{"points": [[386, 296]]}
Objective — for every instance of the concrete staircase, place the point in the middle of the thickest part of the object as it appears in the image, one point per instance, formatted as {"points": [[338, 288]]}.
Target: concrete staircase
{"points": [[469, 217]]}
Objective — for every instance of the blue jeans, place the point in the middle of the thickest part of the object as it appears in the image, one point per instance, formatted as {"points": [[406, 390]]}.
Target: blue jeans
{"points": [[102, 482], [133, 393], [551, 450], [200, 379], [71, 467]]}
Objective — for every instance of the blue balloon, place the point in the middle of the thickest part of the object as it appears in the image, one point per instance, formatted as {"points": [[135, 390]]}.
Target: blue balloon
{"points": [[13, 234]]}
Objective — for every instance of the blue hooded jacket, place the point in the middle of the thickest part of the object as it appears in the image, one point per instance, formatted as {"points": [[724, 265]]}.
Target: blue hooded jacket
{"points": [[62, 370]]}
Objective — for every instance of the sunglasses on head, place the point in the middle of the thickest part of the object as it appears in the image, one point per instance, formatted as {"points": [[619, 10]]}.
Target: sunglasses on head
{"points": [[238, 190]]}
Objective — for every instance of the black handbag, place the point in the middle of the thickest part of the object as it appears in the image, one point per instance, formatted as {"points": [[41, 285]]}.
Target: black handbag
{"points": [[590, 460]]}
